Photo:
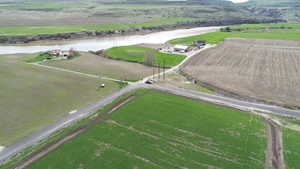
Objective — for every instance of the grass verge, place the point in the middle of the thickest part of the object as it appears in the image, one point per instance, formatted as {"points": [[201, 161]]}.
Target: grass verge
{"points": [[291, 144]]}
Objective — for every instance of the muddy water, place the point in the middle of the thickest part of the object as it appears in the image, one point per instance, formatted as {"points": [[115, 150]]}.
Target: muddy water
{"points": [[105, 43]]}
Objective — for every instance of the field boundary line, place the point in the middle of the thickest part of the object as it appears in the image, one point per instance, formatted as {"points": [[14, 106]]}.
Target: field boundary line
{"points": [[79, 73], [49, 148]]}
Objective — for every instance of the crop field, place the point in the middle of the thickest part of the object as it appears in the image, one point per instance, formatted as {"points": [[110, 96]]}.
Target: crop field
{"points": [[171, 135], [291, 142], [33, 97], [290, 25], [32, 16], [93, 64], [34, 30], [261, 69], [139, 54], [217, 37]]}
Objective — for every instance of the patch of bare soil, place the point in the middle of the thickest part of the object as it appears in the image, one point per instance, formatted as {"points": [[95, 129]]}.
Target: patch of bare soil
{"points": [[267, 70], [90, 63], [120, 104], [275, 159]]}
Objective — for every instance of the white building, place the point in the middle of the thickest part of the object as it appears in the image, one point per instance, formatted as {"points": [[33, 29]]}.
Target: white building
{"points": [[180, 48]]}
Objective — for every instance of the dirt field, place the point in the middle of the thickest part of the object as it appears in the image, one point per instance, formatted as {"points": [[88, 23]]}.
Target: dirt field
{"points": [[90, 63], [260, 69]]}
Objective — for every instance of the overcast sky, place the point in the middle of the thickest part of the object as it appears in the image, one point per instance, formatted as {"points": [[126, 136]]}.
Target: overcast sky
{"points": [[238, 1]]}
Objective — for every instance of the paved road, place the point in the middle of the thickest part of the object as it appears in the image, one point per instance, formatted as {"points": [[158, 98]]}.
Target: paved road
{"points": [[175, 68], [84, 112]]}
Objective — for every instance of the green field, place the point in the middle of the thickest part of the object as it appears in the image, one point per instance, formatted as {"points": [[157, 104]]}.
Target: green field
{"points": [[277, 31], [179, 133], [34, 30], [33, 97], [291, 145], [264, 26], [138, 54], [217, 37]]}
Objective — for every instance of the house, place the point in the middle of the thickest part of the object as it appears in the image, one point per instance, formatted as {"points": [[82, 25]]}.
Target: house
{"points": [[54, 53], [180, 48], [65, 55], [199, 43]]}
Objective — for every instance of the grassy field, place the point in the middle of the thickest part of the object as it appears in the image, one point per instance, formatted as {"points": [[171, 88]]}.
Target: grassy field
{"points": [[279, 31], [93, 64], [290, 25], [291, 142], [138, 54], [34, 30], [217, 37], [32, 97], [172, 135]]}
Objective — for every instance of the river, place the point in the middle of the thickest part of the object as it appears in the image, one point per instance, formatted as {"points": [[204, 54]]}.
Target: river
{"points": [[107, 42]]}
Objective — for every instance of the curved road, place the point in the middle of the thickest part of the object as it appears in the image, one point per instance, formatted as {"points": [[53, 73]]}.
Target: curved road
{"points": [[84, 112], [35, 138]]}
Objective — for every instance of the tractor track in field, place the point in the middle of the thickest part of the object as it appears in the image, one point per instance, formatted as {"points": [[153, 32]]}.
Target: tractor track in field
{"points": [[55, 144], [274, 152], [49, 148]]}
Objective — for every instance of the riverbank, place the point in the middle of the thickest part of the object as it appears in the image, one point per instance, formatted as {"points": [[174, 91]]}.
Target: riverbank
{"points": [[128, 31]]}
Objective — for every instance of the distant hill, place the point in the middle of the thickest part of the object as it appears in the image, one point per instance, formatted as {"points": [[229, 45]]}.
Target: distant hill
{"points": [[275, 3]]}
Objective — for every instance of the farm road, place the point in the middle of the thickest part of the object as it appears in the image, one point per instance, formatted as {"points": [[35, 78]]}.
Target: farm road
{"points": [[35, 138], [79, 73], [84, 112]]}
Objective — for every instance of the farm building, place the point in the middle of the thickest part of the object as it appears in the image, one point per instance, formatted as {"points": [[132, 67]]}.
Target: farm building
{"points": [[180, 48], [55, 53], [65, 54], [199, 43]]}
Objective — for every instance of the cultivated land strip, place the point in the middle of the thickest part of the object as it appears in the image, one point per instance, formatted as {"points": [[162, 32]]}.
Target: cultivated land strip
{"points": [[241, 68]]}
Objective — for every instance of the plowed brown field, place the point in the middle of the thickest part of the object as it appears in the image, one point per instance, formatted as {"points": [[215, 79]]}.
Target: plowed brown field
{"points": [[261, 69]]}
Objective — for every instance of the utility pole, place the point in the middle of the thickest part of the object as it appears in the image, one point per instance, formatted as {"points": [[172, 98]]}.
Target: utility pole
{"points": [[153, 72], [164, 69], [158, 71]]}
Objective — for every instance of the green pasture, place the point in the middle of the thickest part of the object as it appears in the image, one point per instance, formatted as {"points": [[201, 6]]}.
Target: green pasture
{"points": [[217, 37], [291, 146], [179, 133], [36, 30], [139, 54]]}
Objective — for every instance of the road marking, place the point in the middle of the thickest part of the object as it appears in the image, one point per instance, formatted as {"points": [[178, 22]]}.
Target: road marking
{"points": [[2, 148], [73, 112]]}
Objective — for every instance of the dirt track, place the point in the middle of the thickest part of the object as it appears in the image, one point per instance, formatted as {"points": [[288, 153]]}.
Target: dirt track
{"points": [[260, 69], [50, 147], [275, 159]]}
